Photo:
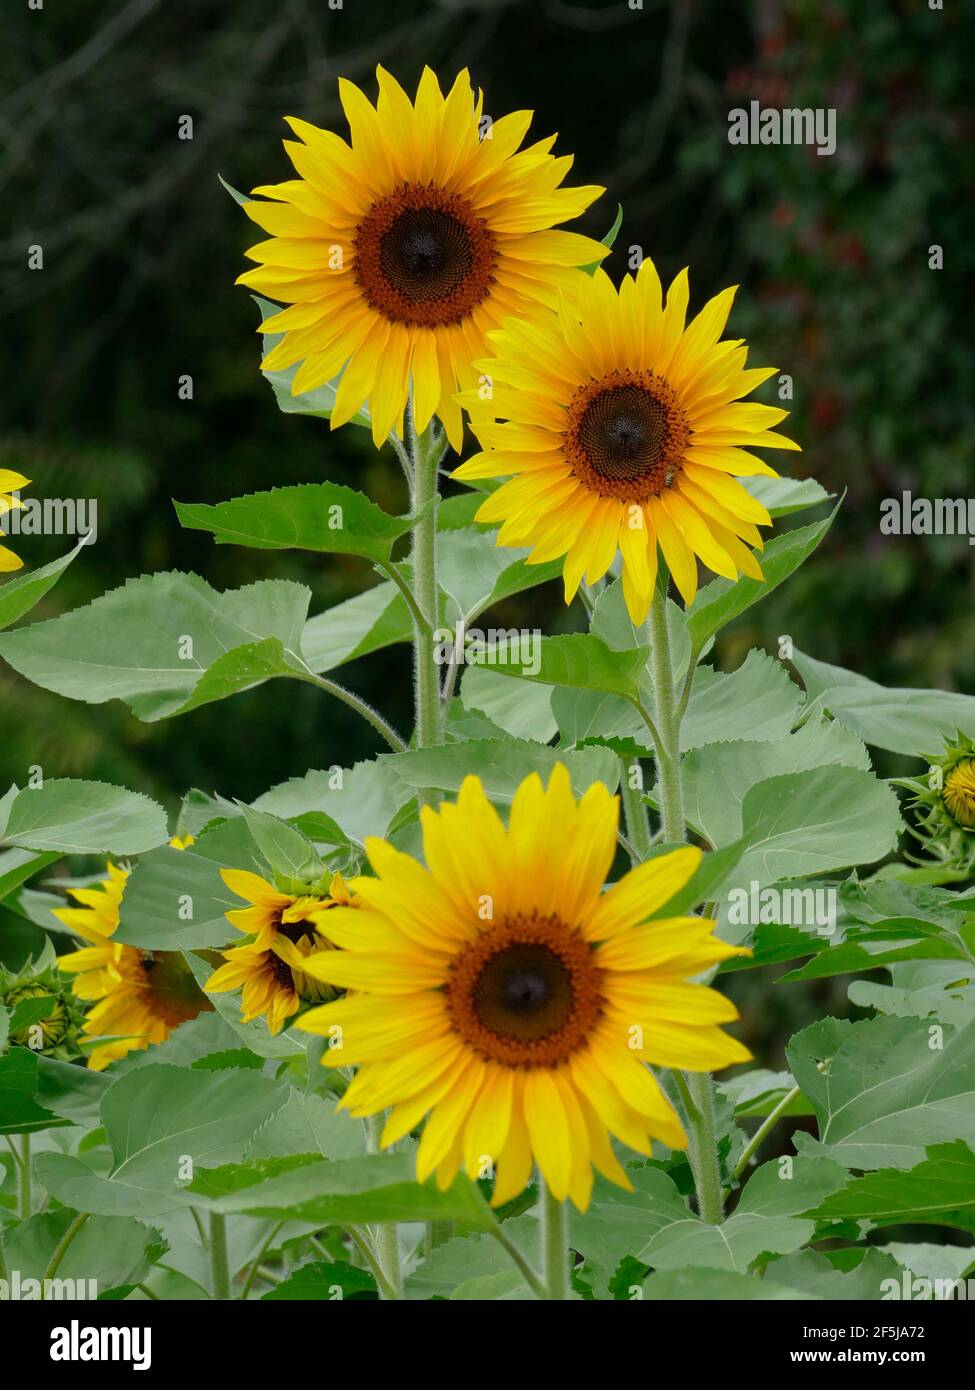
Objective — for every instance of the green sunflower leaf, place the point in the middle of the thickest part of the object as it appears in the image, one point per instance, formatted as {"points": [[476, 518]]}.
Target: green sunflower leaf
{"points": [[577, 660], [885, 1087], [523, 710], [321, 401], [361, 800], [18, 596], [756, 700], [722, 599], [289, 852], [164, 1124], [767, 1220], [375, 1189], [785, 496], [367, 623], [717, 777], [913, 722], [175, 899], [66, 816], [166, 643], [326, 518], [938, 1190], [474, 572], [113, 1252], [18, 865], [502, 766], [324, 1282], [803, 823], [20, 1112]]}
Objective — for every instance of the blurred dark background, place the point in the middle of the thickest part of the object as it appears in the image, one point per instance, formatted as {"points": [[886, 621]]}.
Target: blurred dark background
{"points": [[141, 248]]}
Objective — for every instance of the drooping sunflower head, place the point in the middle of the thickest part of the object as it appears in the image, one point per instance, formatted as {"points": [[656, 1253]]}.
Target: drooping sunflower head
{"points": [[271, 969], [95, 921], [501, 993], [10, 483], [624, 427], [398, 252], [141, 995], [152, 993]]}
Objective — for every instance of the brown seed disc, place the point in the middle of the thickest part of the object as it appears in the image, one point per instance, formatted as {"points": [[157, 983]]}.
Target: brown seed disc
{"points": [[527, 993], [626, 435], [423, 257]]}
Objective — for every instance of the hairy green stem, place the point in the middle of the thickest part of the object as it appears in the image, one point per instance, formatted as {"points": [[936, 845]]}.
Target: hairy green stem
{"points": [[219, 1263], [536, 1285], [425, 452], [668, 723], [256, 1262], [360, 1242], [698, 1088], [555, 1245], [361, 707], [62, 1246], [758, 1138], [385, 1237], [634, 810]]}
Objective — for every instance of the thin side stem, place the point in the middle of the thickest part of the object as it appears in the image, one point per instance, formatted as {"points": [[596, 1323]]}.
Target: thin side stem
{"points": [[24, 1192], [62, 1246], [529, 1275], [634, 810], [256, 1262], [391, 572], [769, 1123], [361, 707], [201, 1229], [219, 1262], [366, 1251]]}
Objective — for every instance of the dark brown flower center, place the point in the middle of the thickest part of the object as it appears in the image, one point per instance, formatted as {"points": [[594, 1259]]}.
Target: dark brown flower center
{"points": [[281, 970], [526, 993], [626, 435], [170, 990], [423, 257]]}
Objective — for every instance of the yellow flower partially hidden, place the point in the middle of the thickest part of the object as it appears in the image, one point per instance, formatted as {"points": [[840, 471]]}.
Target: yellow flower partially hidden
{"points": [[396, 255], [501, 993], [959, 793], [143, 995], [624, 428], [10, 482], [271, 969]]}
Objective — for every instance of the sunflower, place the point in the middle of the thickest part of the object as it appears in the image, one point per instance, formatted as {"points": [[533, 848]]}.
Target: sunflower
{"points": [[396, 255], [271, 969], [959, 793], [624, 428], [10, 482], [142, 995], [502, 994]]}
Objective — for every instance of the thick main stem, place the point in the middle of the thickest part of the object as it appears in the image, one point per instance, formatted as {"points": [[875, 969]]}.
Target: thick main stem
{"points": [[219, 1262], [668, 724], [385, 1238], [700, 1117], [555, 1246], [424, 453]]}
